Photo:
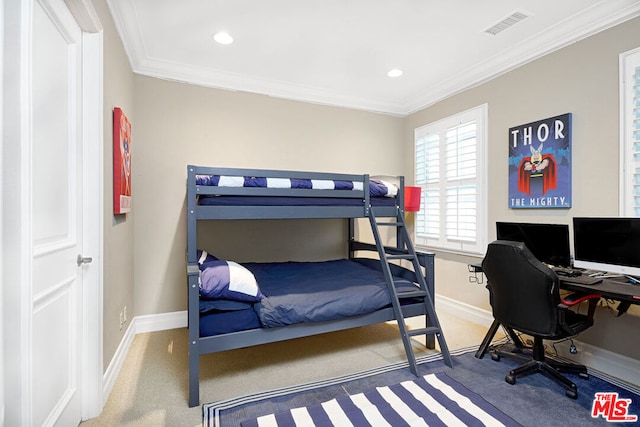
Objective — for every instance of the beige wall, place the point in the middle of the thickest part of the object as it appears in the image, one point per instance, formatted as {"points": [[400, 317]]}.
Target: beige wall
{"points": [[176, 124], [581, 79], [118, 256]]}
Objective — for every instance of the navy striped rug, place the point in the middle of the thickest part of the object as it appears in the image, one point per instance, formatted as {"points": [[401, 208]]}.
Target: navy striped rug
{"points": [[481, 381], [433, 400]]}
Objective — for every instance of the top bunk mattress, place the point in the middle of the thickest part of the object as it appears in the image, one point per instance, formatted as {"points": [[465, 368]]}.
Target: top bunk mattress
{"points": [[232, 193], [377, 187], [233, 190]]}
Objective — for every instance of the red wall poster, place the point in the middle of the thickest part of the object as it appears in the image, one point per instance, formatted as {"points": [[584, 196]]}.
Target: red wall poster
{"points": [[121, 162]]}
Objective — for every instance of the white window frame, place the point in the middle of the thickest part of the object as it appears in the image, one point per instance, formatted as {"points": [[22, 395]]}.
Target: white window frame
{"points": [[478, 243], [629, 130]]}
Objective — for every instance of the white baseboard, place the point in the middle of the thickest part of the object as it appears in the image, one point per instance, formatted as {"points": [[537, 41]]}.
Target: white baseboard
{"points": [[111, 374], [622, 368], [465, 311], [617, 366], [139, 324], [160, 322]]}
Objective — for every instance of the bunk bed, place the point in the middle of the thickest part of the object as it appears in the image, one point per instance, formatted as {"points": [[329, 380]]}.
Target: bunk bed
{"points": [[225, 314]]}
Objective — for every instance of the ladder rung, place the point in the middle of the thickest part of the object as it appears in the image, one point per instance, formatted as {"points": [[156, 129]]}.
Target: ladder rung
{"points": [[424, 331], [402, 256], [387, 254], [412, 294]]}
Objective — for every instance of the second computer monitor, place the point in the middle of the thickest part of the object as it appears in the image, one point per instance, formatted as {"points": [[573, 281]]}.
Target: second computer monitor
{"points": [[548, 242], [608, 244]]}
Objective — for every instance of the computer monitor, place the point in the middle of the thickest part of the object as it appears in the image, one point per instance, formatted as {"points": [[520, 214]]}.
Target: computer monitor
{"points": [[607, 244], [547, 242]]}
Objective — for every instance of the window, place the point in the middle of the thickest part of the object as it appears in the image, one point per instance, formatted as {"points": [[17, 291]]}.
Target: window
{"points": [[630, 133], [449, 158]]}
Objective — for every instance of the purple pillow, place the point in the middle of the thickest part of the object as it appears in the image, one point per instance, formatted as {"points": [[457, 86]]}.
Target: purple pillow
{"points": [[204, 256], [228, 280], [379, 188]]}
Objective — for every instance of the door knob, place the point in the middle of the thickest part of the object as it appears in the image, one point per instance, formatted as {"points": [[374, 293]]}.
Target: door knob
{"points": [[84, 260]]}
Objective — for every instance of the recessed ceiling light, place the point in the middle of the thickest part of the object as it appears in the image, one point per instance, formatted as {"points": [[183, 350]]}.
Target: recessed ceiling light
{"points": [[223, 38], [394, 73]]}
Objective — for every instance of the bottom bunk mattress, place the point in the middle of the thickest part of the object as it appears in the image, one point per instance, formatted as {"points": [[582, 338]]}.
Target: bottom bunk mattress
{"points": [[299, 292]]}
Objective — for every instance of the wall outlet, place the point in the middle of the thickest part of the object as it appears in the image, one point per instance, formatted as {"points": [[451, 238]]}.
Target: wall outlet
{"points": [[125, 314], [121, 319]]}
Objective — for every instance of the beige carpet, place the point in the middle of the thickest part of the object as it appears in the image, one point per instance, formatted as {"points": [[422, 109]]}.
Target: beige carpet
{"points": [[151, 389]]}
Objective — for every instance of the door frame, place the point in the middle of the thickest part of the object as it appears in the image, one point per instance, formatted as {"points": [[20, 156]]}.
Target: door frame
{"points": [[16, 214], [92, 212], [2, 410]]}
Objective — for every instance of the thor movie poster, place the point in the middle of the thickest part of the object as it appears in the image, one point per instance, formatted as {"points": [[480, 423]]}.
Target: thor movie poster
{"points": [[540, 164]]}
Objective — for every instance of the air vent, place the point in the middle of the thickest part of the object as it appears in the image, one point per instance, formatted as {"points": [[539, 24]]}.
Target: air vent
{"points": [[507, 22]]}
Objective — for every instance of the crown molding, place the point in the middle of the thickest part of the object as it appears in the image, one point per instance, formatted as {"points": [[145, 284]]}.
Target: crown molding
{"points": [[125, 19], [603, 16], [597, 18], [218, 79], [85, 15]]}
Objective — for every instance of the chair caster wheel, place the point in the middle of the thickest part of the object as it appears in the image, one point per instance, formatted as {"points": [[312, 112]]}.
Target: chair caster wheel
{"points": [[583, 375], [510, 379], [495, 357], [571, 393]]}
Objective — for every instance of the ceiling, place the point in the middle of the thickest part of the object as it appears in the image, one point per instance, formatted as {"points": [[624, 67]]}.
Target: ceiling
{"points": [[338, 52]]}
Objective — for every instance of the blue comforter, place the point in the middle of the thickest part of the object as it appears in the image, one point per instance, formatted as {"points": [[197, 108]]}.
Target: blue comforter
{"points": [[296, 292]]}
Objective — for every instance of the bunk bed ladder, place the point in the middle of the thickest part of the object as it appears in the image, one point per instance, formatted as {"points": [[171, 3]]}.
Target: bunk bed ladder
{"points": [[406, 251]]}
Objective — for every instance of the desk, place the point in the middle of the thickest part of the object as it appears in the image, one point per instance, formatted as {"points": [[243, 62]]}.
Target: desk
{"points": [[611, 288]]}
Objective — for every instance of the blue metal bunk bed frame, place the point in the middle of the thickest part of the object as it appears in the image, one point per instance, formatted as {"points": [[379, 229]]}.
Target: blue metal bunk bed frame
{"points": [[204, 345]]}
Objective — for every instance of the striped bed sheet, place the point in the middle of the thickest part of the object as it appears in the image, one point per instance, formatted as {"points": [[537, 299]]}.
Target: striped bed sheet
{"points": [[377, 187]]}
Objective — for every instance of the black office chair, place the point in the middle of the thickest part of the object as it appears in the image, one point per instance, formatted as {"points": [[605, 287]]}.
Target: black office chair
{"points": [[525, 296]]}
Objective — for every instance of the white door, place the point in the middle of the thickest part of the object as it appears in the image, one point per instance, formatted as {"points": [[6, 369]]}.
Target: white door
{"points": [[56, 220]]}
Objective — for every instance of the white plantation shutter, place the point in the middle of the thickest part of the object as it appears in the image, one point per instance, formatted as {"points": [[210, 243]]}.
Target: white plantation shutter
{"points": [[461, 198], [635, 143], [428, 155], [630, 140], [453, 206], [461, 213]]}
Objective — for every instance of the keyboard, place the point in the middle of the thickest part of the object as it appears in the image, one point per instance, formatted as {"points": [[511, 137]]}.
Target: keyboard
{"points": [[566, 271], [583, 279]]}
